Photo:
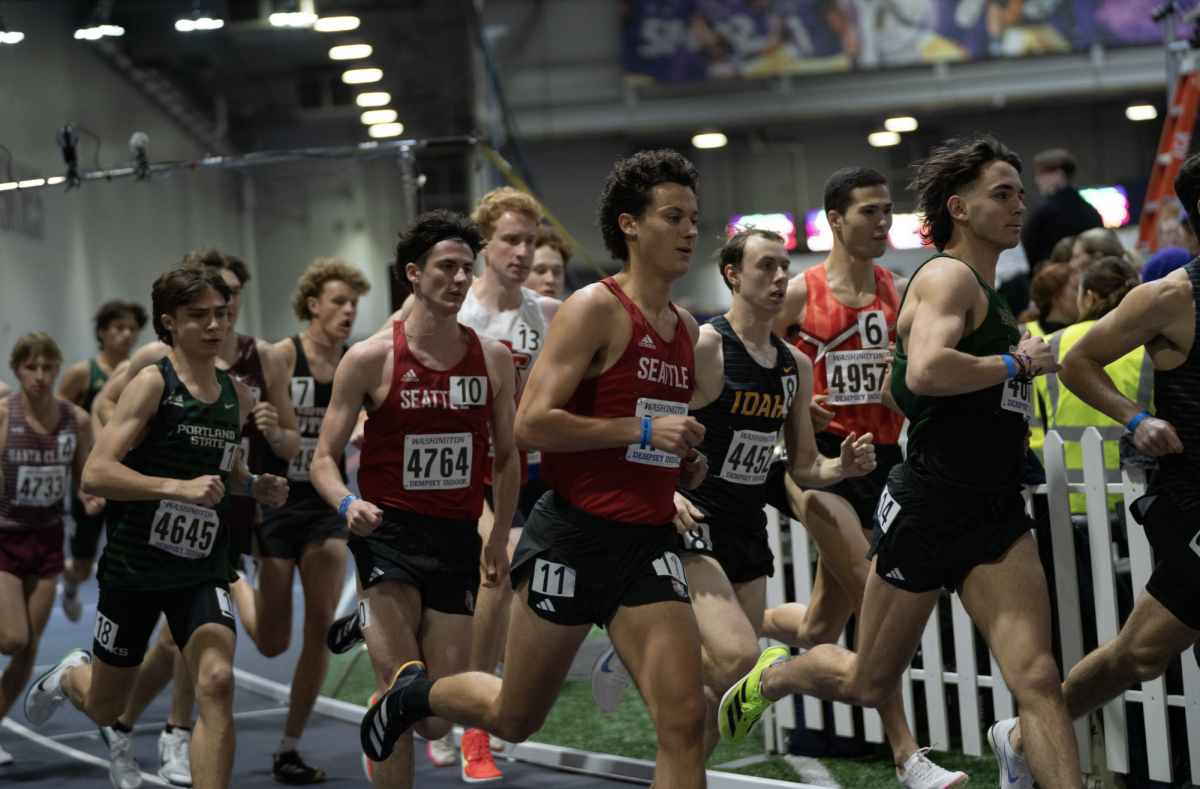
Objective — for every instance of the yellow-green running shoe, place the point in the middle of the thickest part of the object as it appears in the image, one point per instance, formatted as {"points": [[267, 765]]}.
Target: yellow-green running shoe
{"points": [[743, 704]]}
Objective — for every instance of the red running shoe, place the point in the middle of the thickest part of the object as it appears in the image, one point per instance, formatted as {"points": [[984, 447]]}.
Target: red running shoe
{"points": [[478, 766]]}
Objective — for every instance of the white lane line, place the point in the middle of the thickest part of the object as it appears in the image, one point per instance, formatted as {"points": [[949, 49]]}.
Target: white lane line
{"points": [[811, 771], [94, 734], [67, 750]]}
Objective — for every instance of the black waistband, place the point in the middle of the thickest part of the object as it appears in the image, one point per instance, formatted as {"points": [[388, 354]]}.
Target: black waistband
{"points": [[422, 521], [635, 532]]}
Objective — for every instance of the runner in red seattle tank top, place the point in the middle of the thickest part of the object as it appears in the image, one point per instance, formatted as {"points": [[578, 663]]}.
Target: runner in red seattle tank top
{"points": [[652, 378], [426, 444]]}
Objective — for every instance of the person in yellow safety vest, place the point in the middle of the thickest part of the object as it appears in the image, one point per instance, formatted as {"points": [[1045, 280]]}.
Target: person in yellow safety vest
{"points": [[1053, 291], [1104, 284]]}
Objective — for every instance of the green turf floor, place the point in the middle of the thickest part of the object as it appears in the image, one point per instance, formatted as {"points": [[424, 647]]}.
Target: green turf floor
{"points": [[575, 722]]}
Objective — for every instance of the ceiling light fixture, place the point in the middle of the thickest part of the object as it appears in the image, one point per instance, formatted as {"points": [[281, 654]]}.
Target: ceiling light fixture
{"points": [[6, 187], [710, 140], [385, 129], [900, 124], [350, 52], [371, 117], [884, 138], [96, 32], [1141, 112], [9, 36], [358, 76], [293, 19], [335, 24], [203, 23], [374, 99]]}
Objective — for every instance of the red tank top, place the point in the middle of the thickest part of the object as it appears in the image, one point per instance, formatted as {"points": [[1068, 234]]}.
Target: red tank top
{"points": [[652, 378], [831, 327], [425, 445], [36, 468], [249, 370]]}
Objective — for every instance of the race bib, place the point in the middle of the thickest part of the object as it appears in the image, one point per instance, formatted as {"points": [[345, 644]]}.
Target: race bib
{"points": [[40, 486], [1017, 396], [698, 539], [105, 631], [654, 409], [234, 451], [468, 390], [525, 338], [437, 460], [887, 510], [872, 329], [856, 377], [748, 457], [66, 447], [185, 530], [552, 579], [303, 391], [299, 467]]}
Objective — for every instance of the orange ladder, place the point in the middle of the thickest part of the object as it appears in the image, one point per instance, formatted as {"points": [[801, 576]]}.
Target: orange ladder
{"points": [[1172, 150]]}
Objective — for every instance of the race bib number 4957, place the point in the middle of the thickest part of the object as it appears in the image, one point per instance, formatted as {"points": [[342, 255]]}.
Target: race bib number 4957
{"points": [[855, 377], [185, 530], [655, 408]]}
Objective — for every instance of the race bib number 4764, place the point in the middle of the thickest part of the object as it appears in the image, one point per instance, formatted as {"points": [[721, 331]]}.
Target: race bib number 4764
{"points": [[437, 461]]}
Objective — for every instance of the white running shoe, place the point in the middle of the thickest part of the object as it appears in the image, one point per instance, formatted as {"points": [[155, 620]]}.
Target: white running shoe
{"points": [[123, 769], [5, 758], [1015, 767], [44, 695], [442, 752], [609, 680], [920, 773], [496, 744], [71, 604], [174, 765]]}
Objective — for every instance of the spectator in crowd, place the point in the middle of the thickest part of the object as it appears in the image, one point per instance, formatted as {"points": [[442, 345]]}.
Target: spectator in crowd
{"points": [[1190, 242], [1164, 261], [1062, 250], [1061, 211], [1053, 292], [1170, 227], [1101, 242]]}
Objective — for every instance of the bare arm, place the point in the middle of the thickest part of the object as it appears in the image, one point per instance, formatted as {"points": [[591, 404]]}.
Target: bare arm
{"points": [[710, 368], [807, 467], [105, 403], [268, 489], [506, 464], [74, 384], [549, 308], [275, 416], [1143, 316]]}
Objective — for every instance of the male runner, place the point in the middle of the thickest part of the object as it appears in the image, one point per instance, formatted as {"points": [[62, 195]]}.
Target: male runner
{"points": [[952, 514], [306, 534], [608, 402], [551, 253], [118, 324], [271, 433], [169, 544], [749, 384], [842, 315], [1161, 316], [434, 389], [41, 436]]}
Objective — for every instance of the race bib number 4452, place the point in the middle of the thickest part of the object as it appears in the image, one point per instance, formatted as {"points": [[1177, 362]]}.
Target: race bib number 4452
{"points": [[655, 408], [437, 461], [749, 457], [185, 530]]}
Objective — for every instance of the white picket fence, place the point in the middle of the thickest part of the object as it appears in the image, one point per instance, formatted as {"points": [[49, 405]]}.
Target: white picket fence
{"points": [[933, 680]]}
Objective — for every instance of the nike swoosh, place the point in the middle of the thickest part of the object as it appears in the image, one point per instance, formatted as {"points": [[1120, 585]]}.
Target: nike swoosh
{"points": [[1007, 770], [229, 405], [604, 669], [788, 369]]}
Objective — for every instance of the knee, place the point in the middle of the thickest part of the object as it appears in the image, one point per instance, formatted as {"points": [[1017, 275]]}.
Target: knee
{"points": [[104, 713], [216, 684], [1144, 661], [733, 667], [273, 642], [520, 728], [11, 645], [874, 691], [682, 720], [1036, 675]]}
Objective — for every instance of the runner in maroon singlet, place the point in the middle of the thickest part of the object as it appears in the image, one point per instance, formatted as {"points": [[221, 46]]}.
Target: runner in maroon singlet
{"points": [[42, 437], [607, 403], [272, 428], [434, 389]]}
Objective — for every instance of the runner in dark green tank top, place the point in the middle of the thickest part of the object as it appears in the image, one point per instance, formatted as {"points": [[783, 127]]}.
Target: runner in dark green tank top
{"points": [[170, 453], [952, 515]]}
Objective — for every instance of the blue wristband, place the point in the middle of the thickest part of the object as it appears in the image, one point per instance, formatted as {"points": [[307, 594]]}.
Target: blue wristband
{"points": [[1011, 364], [645, 432], [250, 485], [1133, 423], [346, 503]]}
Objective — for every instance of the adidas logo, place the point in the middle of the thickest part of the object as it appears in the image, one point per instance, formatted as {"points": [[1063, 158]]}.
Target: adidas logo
{"points": [[646, 342], [895, 574], [376, 573], [411, 375], [546, 605]]}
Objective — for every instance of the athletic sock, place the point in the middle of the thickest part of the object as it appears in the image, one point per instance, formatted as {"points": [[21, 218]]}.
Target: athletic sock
{"points": [[121, 727], [287, 744], [414, 699], [171, 728]]}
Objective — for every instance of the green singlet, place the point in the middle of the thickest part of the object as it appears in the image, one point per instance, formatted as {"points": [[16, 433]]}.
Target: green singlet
{"points": [[96, 380], [973, 441], [167, 544]]}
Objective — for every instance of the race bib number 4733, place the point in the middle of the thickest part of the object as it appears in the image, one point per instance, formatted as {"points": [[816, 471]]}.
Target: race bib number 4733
{"points": [[40, 486], [437, 461], [655, 408], [185, 530]]}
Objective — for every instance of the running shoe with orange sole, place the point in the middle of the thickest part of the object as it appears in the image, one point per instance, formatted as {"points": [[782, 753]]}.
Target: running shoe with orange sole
{"points": [[478, 765]]}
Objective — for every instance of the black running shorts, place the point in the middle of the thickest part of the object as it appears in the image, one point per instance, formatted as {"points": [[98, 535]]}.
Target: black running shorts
{"points": [[125, 619], [861, 492], [581, 567], [85, 535], [926, 539], [285, 531], [438, 557], [1175, 537], [744, 554]]}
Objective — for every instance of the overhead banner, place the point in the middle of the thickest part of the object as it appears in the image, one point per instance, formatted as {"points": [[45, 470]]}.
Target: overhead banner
{"points": [[689, 40]]}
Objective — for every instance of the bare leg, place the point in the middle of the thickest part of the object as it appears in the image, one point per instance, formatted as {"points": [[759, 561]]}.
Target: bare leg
{"points": [[1009, 603], [209, 655], [243, 597], [161, 663], [491, 609], [27, 603], [274, 594], [322, 571], [79, 570], [98, 690]]}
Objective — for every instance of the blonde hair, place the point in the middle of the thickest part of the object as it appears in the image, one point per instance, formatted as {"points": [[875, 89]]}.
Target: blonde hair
{"points": [[31, 346], [313, 280], [495, 203]]}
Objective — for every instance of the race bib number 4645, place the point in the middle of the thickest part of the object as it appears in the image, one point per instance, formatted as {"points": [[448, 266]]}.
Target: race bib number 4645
{"points": [[655, 408], [185, 530]]}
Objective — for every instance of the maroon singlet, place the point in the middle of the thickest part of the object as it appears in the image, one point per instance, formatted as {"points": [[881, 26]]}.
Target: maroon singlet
{"points": [[249, 370], [36, 468]]}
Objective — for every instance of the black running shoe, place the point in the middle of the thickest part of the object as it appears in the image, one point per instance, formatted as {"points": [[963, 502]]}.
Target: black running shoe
{"points": [[344, 634], [385, 723], [290, 769]]}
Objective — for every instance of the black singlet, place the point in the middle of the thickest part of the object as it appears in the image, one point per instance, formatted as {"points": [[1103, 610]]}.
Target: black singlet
{"points": [[1177, 400]]}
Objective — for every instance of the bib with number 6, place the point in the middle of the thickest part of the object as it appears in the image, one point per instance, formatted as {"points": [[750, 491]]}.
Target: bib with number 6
{"points": [[185, 530]]}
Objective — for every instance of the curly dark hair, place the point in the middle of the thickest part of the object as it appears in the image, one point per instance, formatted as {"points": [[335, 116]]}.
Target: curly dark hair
{"points": [[178, 287], [114, 309], [839, 189], [430, 229], [629, 189], [951, 167]]}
